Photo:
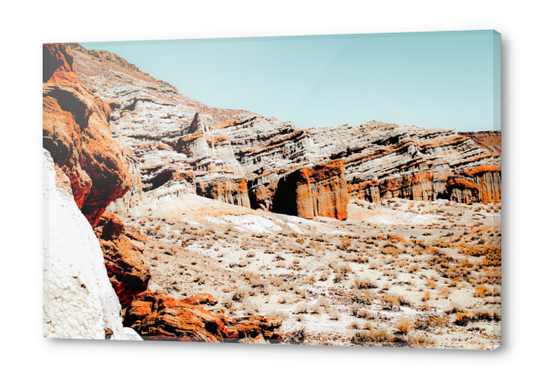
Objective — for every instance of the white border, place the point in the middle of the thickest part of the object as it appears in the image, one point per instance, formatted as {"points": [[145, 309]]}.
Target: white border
{"points": [[26, 26]]}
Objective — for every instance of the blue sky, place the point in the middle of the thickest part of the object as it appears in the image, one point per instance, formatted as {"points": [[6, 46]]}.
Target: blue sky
{"points": [[434, 79]]}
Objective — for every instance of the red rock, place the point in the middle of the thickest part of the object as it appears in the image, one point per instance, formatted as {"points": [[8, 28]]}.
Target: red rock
{"points": [[227, 189], [76, 132], [307, 192], [489, 140], [254, 326], [123, 256], [155, 315]]}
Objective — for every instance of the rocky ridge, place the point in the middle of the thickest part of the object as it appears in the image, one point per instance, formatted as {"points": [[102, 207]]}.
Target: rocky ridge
{"points": [[92, 170], [238, 157]]}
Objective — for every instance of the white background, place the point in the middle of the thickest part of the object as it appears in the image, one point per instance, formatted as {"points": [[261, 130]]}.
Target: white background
{"points": [[25, 27]]}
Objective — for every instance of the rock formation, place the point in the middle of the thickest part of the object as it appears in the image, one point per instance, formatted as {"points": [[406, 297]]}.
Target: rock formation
{"points": [[123, 250], [307, 192], [77, 134], [489, 140], [181, 146], [78, 300], [155, 315]]}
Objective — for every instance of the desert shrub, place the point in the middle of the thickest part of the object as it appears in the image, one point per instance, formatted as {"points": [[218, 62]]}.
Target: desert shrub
{"points": [[444, 292], [462, 319], [277, 282], [323, 303], [418, 340], [324, 276], [482, 291], [362, 297], [239, 294], [296, 337], [431, 284], [228, 303], [425, 322], [339, 277], [404, 324], [283, 300], [426, 296], [364, 283], [311, 279], [359, 259], [345, 243], [362, 313], [371, 337], [200, 279], [301, 309], [258, 283], [353, 326]]}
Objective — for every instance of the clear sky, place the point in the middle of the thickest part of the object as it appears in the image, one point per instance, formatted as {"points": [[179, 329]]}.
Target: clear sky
{"points": [[434, 79]]}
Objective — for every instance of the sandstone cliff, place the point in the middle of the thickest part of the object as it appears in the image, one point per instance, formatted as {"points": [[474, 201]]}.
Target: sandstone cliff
{"points": [[77, 134], [90, 274], [489, 140], [181, 146]]}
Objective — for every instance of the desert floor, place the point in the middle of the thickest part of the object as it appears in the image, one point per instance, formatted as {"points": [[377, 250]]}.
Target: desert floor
{"points": [[397, 273]]}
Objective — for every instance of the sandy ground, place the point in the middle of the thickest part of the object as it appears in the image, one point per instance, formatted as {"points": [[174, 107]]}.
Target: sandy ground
{"points": [[425, 273]]}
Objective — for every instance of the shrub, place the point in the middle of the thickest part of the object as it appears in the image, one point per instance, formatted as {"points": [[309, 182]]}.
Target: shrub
{"points": [[353, 326], [404, 324], [239, 294], [301, 309], [323, 303], [364, 283], [362, 313], [419, 340], [375, 336], [324, 276], [296, 337], [345, 243], [482, 291], [334, 315], [426, 296]]}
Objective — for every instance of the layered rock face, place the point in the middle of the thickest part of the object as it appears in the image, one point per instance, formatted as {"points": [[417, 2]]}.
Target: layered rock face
{"points": [[181, 146], [77, 134], [172, 137], [384, 161], [307, 192], [489, 140], [155, 315]]}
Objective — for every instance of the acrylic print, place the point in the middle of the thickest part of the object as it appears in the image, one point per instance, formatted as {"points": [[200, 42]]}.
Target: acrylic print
{"points": [[337, 190]]}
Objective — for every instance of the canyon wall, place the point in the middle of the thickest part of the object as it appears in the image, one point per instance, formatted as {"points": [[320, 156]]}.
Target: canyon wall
{"points": [[76, 132], [242, 158]]}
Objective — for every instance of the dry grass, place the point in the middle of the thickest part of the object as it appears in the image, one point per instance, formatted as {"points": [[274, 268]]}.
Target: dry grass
{"points": [[404, 324], [364, 283]]}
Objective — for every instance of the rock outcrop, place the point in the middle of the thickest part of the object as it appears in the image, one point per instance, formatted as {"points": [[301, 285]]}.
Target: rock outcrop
{"points": [[155, 315], [489, 140], [123, 250], [246, 159], [78, 299], [76, 132], [307, 192], [77, 135]]}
